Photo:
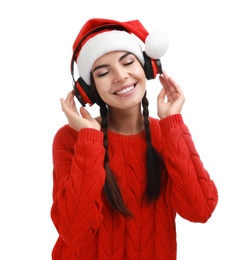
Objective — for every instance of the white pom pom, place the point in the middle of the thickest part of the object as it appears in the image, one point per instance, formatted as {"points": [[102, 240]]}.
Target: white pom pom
{"points": [[156, 44]]}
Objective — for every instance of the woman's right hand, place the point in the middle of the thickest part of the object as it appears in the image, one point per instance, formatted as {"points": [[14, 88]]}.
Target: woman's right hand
{"points": [[77, 120]]}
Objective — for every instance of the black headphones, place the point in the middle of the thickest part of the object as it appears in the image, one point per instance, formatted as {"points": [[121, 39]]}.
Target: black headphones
{"points": [[83, 92]]}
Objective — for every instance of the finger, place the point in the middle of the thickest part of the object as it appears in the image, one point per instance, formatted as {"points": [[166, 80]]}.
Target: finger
{"points": [[175, 89], [68, 104], [63, 104], [170, 85], [161, 96], [165, 74], [163, 81], [84, 113], [70, 99]]}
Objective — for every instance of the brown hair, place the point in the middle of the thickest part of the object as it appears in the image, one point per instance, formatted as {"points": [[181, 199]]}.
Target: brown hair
{"points": [[154, 161]]}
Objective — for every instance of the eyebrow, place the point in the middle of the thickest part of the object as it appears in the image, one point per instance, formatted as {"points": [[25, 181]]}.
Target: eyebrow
{"points": [[106, 65]]}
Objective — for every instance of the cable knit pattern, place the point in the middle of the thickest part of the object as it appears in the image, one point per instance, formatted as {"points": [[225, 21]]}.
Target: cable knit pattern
{"points": [[88, 229]]}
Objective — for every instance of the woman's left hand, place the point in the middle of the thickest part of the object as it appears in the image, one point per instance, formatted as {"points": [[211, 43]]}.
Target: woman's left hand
{"points": [[171, 98]]}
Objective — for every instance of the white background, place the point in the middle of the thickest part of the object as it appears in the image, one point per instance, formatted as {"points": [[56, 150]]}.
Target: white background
{"points": [[35, 53]]}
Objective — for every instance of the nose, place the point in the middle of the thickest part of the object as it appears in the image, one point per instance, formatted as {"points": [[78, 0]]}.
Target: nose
{"points": [[120, 74]]}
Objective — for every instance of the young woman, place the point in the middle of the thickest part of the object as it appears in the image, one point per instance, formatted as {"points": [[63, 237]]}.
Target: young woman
{"points": [[121, 178]]}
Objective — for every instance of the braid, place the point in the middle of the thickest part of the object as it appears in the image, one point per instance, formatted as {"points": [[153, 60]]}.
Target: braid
{"points": [[111, 188], [154, 161]]}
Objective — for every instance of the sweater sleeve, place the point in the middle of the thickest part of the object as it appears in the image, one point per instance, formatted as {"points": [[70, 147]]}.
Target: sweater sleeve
{"points": [[78, 179], [193, 194]]}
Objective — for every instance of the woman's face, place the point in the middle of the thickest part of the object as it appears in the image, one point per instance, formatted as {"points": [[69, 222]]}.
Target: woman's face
{"points": [[119, 79]]}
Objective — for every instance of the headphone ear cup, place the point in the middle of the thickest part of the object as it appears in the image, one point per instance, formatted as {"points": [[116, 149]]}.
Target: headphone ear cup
{"points": [[152, 67], [83, 93]]}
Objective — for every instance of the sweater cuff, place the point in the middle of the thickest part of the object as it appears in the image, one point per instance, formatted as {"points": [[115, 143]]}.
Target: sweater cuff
{"points": [[171, 122], [90, 134]]}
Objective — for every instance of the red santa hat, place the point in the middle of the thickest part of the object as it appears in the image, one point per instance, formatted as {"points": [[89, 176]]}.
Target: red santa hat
{"points": [[99, 36]]}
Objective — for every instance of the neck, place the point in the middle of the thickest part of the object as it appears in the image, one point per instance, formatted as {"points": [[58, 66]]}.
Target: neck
{"points": [[126, 122]]}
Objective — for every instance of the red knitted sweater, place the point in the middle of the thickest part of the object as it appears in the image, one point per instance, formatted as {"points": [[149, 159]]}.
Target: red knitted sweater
{"points": [[89, 230]]}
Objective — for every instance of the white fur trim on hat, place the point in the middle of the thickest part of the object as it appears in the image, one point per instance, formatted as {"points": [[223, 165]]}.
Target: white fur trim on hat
{"points": [[103, 43]]}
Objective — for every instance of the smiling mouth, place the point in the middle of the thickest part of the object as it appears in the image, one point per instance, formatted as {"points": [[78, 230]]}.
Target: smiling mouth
{"points": [[125, 90]]}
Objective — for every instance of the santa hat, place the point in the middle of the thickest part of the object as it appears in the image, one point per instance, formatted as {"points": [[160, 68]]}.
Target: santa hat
{"points": [[99, 36]]}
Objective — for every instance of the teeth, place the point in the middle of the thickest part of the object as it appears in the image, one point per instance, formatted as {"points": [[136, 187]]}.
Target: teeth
{"points": [[123, 91]]}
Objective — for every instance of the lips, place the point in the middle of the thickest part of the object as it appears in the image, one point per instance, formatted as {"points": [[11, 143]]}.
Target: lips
{"points": [[124, 90]]}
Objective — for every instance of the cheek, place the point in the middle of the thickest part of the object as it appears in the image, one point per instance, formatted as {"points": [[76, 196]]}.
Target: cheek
{"points": [[141, 72], [101, 88]]}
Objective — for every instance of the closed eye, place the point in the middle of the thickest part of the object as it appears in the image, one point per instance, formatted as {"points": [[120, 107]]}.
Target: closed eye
{"points": [[129, 63], [102, 74]]}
